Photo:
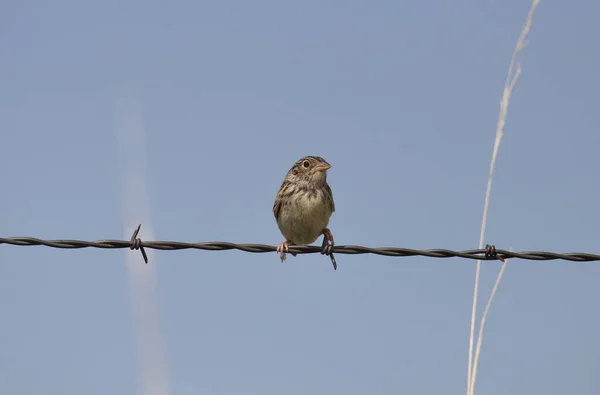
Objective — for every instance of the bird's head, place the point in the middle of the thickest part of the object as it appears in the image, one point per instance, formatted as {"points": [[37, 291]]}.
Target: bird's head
{"points": [[311, 169]]}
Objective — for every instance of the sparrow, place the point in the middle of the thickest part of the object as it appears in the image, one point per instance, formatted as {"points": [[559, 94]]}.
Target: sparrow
{"points": [[303, 206]]}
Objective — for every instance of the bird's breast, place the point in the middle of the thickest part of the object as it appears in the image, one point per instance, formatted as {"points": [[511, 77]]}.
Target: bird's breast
{"points": [[303, 217]]}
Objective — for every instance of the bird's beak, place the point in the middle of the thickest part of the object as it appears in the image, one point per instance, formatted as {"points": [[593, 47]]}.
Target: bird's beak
{"points": [[322, 167]]}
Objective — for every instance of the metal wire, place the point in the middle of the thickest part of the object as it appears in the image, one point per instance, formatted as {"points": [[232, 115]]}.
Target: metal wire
{"points": [[487, 254]]}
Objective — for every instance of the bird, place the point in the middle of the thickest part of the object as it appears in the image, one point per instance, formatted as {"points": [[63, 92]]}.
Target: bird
{"points": [[303, 206]]}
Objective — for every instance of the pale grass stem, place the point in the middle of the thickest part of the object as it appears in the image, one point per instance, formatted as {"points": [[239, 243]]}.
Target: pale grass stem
{"points": [[514, 70]]}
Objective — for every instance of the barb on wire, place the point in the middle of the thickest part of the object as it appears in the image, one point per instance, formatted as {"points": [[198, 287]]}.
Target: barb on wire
{"points": [[136, 243], [490, 253]]}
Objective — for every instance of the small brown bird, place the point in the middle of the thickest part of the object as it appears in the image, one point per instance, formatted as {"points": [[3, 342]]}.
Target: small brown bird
{"points": [[304, 205]]}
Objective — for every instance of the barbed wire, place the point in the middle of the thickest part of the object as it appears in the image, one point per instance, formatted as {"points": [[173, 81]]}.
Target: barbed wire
{"points": [[135, 243]]}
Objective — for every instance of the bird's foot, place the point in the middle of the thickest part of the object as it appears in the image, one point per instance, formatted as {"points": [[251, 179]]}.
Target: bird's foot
{"points": [[282, 249], [327, 245], [327, 241]]}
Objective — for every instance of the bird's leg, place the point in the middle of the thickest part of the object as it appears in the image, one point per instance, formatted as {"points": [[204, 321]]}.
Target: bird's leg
{"points": [[282, 248], [327, 239], [327, 245]]}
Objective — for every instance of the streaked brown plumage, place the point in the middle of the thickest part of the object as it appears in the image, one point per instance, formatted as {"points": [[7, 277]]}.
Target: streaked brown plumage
{"points": [[304, 205]]}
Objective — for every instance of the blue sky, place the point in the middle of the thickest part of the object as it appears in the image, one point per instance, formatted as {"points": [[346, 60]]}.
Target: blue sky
{"points": [[400, 97]]}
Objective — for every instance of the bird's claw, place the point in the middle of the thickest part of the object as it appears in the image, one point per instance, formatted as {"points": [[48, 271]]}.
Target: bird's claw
{"points": [[282, 249], [327, 245]]}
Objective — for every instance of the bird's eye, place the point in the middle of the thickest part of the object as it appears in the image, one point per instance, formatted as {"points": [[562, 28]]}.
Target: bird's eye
{"points": [[306, 164]]}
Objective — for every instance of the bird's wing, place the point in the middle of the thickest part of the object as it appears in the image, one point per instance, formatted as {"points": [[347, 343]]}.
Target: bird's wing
{"points": [[276, 208], [278, 199], [331, 200]]}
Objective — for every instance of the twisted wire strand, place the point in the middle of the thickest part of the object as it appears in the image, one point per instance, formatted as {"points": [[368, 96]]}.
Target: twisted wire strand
{"points": [[488, 254]]}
